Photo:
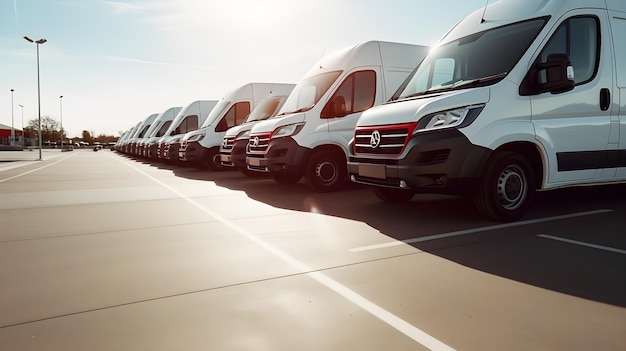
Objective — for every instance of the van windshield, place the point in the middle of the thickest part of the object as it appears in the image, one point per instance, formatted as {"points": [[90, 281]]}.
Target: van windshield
{"points": [[479, 59], [264, 110], [308, 92], [215, 112]]}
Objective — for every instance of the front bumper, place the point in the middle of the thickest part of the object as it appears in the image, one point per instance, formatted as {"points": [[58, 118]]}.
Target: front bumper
{"points": [[439, 162], [282, 155], [192, 152], [236, 156]]}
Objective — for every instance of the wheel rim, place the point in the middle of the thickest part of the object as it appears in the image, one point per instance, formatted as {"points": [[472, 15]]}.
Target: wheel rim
{"points": [[326, 172], [512, 187]]}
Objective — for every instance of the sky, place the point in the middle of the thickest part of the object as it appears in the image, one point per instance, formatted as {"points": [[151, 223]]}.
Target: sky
{"points": [[117, 62]]}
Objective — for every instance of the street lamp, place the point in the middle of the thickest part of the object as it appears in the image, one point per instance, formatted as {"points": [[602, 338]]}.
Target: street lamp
{"points": [[38, 42], [23, 138], [61, 114], [12, 128]]}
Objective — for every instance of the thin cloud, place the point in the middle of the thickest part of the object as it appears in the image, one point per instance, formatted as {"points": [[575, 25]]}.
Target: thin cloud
{"points": [[122, 7], [131, 60], [15, 11]]}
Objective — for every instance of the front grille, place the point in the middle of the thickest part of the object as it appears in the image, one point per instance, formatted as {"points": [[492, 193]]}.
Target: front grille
{"points": [[382, 140], [228, 143], [259, 143]]}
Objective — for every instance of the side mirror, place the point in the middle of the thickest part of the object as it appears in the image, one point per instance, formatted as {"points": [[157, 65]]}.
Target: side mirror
{"points": [[555, 76]]}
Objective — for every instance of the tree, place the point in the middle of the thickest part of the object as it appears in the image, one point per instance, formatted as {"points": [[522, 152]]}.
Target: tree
{"points": [[50, 128], [87, 136]]}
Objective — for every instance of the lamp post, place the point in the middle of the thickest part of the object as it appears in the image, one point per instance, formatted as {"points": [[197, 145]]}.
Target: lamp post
{"points": [[38, 42], [61, 114], [23, 138], [12, 142]]}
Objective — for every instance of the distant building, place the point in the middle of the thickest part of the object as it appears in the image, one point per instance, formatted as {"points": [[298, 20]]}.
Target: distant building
{"points": [[5, 136]]}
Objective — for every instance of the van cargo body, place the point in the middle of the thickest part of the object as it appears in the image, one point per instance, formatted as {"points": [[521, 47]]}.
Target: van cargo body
{"points": [[520, 96], [311, 132], [188, 119], [139, 132], [233, 149], [156, 131], [200, 148]]}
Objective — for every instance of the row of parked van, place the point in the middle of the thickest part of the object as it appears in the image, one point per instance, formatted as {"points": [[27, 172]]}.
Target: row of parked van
{"points": [[520, 96]]}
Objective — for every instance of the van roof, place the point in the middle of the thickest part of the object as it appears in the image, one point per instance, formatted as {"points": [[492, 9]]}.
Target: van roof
{"points": [[371, 53]]}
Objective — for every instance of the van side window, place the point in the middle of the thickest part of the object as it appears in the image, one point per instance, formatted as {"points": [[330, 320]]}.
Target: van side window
{"points": [[355, 94], [235, 116], [190, 123], [579, 38]]}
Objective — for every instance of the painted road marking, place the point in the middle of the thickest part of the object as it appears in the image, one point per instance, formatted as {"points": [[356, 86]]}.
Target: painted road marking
{"points": [[582, 243], [34, 170], [392, 320], [475, 230]]}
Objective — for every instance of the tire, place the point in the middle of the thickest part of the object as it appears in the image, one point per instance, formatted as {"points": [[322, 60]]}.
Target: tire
{"points": [[393, 195], [506, 188], [286, 177], [212, 160], [326, 171]]}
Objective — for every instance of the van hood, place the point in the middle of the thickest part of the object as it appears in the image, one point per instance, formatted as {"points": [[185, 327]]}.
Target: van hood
{"points": [[194, 133], [233, 131], [269, 125], [412, 109]]}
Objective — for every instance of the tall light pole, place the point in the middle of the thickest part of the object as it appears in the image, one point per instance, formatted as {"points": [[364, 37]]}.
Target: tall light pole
{"points": [[61, 114], [38, 42], [23, 138], [12, 128]]}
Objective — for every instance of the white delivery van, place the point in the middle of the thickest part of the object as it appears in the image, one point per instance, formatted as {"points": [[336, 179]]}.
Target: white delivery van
{"points": [[235, 141], [201, 147], [522, 95], [140, 130], [124, 145], [120, 140], [311, 133], [189, 119], [156, 131]]}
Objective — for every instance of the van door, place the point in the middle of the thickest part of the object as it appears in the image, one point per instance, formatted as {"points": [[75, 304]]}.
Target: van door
{"points": [[356, 94], [574, 127]]}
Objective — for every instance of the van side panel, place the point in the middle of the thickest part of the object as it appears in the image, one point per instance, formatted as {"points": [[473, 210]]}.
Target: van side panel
{"points": [[618, 27]]}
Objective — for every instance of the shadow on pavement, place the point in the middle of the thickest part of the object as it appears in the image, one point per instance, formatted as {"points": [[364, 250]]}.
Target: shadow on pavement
{"points": [[514, 253]]}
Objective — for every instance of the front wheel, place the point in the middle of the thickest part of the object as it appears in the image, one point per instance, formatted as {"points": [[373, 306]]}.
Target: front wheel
{"points": [[212, 160], [326, 171], [506, 188]]}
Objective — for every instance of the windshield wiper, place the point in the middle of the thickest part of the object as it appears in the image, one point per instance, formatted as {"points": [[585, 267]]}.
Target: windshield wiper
{"points": [[298, 110], [478, 81], [458, 85]]}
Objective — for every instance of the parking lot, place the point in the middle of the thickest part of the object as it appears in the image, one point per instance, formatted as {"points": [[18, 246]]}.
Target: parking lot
{"points": [[99, 251]]}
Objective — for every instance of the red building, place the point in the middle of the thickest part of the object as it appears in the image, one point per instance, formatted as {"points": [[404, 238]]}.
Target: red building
{"points": [[5, 135]]}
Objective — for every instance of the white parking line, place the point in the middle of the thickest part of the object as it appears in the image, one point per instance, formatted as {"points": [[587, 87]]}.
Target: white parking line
{"points": [[582, 243], [391, 319], [474, 230], [33, 170]]}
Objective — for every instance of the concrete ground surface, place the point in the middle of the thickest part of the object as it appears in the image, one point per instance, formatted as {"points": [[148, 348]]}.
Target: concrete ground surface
{"points": [[99, 251]]}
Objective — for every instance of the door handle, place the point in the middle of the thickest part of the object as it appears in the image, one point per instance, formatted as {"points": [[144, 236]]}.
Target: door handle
{"points": [[605, 99]]}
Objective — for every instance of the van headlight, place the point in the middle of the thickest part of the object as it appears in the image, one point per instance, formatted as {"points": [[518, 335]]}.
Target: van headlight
{"points": [[458, 117], [288, 130], [196, 137]]}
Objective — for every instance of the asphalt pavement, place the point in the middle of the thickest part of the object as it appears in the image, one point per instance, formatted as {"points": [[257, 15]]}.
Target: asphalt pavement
{"points": [[101, 251]]}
